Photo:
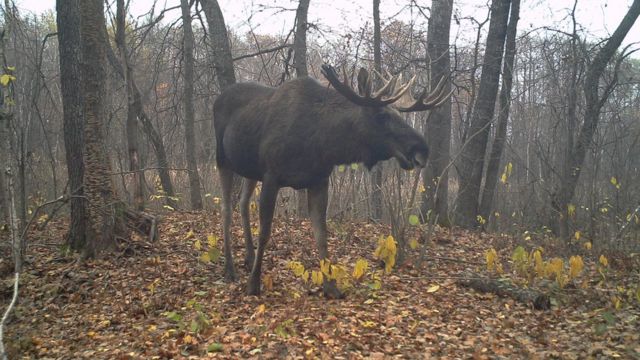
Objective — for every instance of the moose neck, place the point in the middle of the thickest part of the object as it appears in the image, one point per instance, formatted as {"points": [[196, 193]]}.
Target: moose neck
{"points": [[349, 143]]}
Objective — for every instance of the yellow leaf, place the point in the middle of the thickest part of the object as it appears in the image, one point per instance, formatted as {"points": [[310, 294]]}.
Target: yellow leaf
{"points": [[587, 245], [491, 256], [575, 266], [205, 257], [503, 178], [189, 235], [368, 324], [509, 168], [316, 277], [187, 339], [577, 235], [260, 309], [614, 181], [571, 210], [5, 79], [152, 328], [341, 168], [305, 276], [197, 245], [433, 288], [617, 302], [91, 334], [325, 266], [212, 240], [11, 68], [354, 166], [267, 280], [539, 264], [360, 269], [413, 244], [603, 260]]}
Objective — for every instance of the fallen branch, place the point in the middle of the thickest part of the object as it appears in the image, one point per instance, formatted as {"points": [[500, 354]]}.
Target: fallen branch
{"points": [[504, 288], [3, 353]]}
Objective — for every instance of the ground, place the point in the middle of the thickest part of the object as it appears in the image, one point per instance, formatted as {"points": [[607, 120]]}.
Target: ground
{"points": [[163, 300]]}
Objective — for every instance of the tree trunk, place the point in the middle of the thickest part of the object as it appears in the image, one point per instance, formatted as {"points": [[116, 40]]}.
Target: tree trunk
{"points": [[438, 129], [190, 146], [132, 123], [104, 213], [222, 59], [68, 21], [472, 160], [376, 171], [147, 127], [497, 148], [300, 64], [593, 104]]}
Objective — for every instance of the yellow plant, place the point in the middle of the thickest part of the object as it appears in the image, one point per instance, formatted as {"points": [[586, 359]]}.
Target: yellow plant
{"points": [[386, 251], [575, 266]]}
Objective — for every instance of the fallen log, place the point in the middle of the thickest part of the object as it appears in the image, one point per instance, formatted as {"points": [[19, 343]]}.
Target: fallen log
{"points": [[504, 288]]}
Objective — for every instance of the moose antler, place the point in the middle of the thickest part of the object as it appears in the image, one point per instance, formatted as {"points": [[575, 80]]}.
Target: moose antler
{"points": [[389, 93], [426, 101]]}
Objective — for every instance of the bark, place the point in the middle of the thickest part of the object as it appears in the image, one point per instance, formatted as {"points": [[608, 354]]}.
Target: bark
{"points": [[68, 21], [189, 118], [438, 129], [497, 148], [104, 213], [594, 101], [473, 155], [132, 123], [222, 59], [376, 171], [300, 64]]}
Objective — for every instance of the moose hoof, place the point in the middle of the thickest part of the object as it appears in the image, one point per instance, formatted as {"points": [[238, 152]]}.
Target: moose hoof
{"points": [[330, 290]]}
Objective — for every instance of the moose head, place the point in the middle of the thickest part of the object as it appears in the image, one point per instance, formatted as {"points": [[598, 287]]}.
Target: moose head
{"points": [[295, 134]]}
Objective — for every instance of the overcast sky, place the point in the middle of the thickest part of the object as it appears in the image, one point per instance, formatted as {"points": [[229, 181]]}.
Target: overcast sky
{"points": [[598, 17]]}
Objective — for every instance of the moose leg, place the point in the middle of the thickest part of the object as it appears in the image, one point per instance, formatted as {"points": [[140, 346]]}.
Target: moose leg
{"points": [[317, 198], [268, 197], [226, 181], [248, 186]]}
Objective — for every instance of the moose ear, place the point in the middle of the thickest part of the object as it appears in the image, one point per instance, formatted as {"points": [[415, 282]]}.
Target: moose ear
{"points": [[364, 83]]}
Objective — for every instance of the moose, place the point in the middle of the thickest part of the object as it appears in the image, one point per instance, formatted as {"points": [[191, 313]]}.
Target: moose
{"points": [[295, 134]]}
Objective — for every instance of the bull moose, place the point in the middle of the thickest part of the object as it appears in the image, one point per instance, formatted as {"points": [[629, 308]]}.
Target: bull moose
{"points": [[295, 134]]}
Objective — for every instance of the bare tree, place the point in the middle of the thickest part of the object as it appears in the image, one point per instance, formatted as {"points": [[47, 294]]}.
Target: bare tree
{"points": [[438, 128], [222, 58], [497, 148], [68, 21], [300, 64], [595, 99], [187, 102], [132, 123], [473, 154], [376, 171]]}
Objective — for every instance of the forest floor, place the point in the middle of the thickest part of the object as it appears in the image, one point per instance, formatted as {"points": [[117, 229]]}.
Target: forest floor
{"points": [[164, 300]]}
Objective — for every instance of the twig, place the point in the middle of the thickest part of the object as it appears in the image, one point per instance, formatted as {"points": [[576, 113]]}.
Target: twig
{"points": [[3, 353]]}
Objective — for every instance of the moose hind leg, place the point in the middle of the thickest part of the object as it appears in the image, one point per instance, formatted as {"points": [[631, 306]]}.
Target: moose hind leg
{"points": [[317, 198], [248, 186], [268, 197], [226, 181]]}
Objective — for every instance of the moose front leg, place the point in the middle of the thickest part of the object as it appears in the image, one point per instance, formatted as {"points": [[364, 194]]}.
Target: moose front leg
{"points": [[248, 186], [317, 198], [226, 181], [268, 197]]}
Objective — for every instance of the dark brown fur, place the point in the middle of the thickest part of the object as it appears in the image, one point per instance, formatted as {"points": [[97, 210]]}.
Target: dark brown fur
{"points": [[293, 136]]}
